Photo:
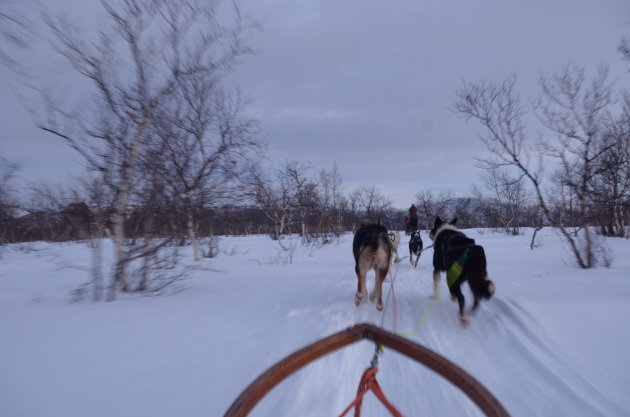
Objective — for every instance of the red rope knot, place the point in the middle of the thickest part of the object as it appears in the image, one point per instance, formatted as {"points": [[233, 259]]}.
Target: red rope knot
{"points": [[368, 382]]}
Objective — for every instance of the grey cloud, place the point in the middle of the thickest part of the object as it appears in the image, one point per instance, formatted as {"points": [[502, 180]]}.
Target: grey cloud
{"points": [[371, 83]]}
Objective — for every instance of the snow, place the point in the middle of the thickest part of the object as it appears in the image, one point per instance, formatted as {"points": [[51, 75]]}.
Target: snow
{"points": [[554, 340]]}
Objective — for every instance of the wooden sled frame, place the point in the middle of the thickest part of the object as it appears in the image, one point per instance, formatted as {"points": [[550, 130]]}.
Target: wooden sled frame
{"points": [[278, 372]]}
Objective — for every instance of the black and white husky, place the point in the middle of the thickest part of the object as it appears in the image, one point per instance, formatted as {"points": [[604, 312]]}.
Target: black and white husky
{"points": [[415, 247], [372, 250], [462, 260]]}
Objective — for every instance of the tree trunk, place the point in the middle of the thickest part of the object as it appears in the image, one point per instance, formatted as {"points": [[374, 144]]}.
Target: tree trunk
{"points": [[279, 229], [543, 205], [533, 242], [618, 226], [284, 248], [97, 276], [144, 275], [190, 225], [120, 211]]}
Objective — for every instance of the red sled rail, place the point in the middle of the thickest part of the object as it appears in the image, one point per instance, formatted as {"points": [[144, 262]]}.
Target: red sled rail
{"points": [[447, 369]]}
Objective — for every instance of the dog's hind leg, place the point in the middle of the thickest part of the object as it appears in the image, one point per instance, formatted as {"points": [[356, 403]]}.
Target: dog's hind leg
{"points": [[475, 303], [361, 290], [377, 294], [436, 285], [373, 293], [456, 290]]}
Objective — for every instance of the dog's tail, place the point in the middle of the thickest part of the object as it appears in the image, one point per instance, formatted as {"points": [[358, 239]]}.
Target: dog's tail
{"points": [[478, 272]]}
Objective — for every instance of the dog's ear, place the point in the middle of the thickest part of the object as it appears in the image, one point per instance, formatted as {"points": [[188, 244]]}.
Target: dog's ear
{"points": [[438, 222], [454, 221]]}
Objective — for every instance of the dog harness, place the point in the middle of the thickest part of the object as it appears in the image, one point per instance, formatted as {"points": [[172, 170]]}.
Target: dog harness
{"points": [[455, 271]]}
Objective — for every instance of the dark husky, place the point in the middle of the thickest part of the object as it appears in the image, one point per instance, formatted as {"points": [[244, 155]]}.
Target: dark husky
{"points": [[415, 247], [462, 260], [372, 249]]}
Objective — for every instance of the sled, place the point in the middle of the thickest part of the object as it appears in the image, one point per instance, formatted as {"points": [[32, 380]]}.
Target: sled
{"points": [[473, 389]]}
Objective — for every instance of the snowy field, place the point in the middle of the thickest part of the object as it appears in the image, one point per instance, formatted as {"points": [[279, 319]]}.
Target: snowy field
{"points": [[554, 341]]}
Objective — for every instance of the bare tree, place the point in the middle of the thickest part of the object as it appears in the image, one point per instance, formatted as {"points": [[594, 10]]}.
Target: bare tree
{"points": [[15, 30], [624, 48], [577, 113], [144, 52], [610, 186], [79, 210], [498, 107], [8, 207], [432, 204], [204, 138], [302, 191], [370, 204], [333, 201], [8, 171], [276, 205], [506, 198], [572, 112], [285, 197]]}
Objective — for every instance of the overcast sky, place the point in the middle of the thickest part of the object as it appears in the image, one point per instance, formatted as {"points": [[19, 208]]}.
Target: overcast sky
{"points": [[371, 84]]}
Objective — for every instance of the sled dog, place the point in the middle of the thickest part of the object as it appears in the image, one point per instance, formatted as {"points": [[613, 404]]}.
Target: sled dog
{"points": [[394, 239], [415, 247], [462, 260], [372, 250]]}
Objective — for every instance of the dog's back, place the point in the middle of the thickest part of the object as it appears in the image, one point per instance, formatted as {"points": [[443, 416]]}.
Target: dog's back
{"points": [[369, 238], [449, 246]]}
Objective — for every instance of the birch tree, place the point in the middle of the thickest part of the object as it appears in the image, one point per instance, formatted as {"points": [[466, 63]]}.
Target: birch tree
{"points": [[572, 110], [138, 58], [505, 199], [432, 204], [204, 141], [368, 202], [284, 197]]}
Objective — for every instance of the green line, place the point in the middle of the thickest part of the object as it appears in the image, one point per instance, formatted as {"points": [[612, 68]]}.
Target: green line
{"points": [[427, 309]]}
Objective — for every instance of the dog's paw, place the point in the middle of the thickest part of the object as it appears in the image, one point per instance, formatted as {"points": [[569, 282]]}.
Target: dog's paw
{"points": [[464, 320], [379, 306], [358, 297], [435, 297]]}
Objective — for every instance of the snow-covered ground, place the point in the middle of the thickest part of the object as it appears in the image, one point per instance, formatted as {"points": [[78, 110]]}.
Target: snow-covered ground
{"points": [[554, 341]]}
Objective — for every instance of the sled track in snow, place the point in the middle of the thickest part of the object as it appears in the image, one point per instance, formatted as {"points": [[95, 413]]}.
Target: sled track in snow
{"points": [[502, 337]]}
